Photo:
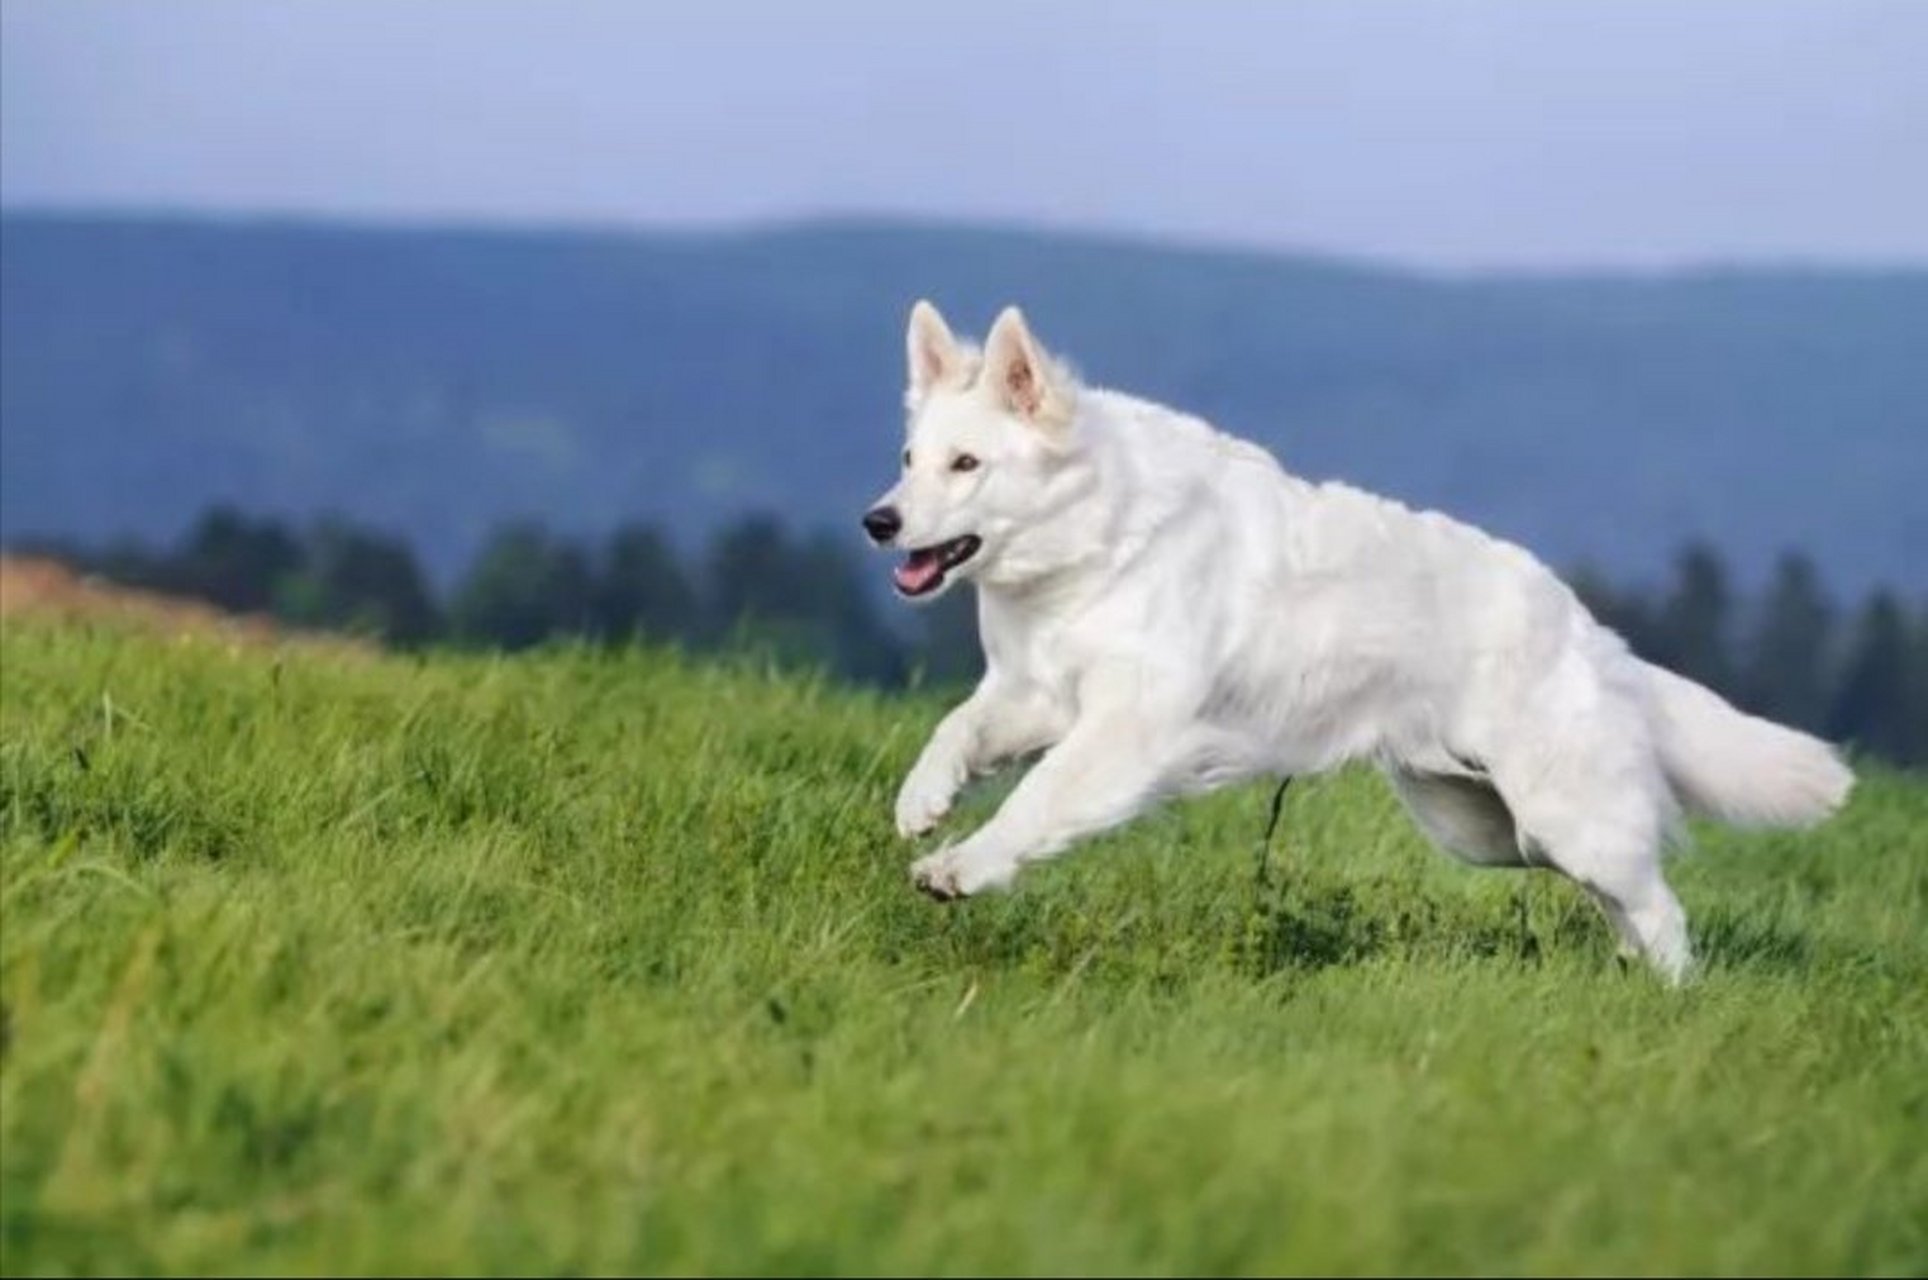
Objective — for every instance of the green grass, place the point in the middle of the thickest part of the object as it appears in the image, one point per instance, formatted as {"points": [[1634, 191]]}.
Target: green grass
{"points": [[577, 963]]}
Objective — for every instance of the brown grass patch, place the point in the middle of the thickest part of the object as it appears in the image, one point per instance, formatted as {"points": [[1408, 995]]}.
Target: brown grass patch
{"points": [[38, 587]]}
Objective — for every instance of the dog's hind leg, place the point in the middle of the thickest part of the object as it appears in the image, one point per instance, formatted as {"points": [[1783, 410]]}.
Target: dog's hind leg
{"points": [[1609, 843], [1623, 926], [1463, 815], [1647, 916]]}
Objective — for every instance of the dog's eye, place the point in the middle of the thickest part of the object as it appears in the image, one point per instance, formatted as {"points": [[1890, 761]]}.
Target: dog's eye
{"points": [[907, 459], [963, 462]]}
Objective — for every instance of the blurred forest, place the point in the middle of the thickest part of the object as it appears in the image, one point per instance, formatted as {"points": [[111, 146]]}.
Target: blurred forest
{"points": [[1853, 671]]}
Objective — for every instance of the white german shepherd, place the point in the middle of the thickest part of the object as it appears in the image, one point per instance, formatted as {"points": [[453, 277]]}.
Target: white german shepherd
{"points": [[1164, 611]]}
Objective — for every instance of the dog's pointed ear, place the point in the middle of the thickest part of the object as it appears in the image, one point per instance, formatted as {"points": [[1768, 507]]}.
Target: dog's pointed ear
{"points": [[1023, 379], [934, 355]]}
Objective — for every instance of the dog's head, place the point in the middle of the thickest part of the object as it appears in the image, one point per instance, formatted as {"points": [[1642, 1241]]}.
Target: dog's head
{"points": [[988, 439]]}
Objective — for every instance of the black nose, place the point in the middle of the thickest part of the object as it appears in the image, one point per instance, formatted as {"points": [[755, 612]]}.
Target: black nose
{"points": [[882, 523]]}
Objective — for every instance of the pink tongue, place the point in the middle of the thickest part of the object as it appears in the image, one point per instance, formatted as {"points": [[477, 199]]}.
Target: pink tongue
{"points": [[917, 573]]}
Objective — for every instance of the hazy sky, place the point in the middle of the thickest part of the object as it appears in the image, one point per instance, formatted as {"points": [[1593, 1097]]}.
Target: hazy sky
{"points": [[1533, 134]]}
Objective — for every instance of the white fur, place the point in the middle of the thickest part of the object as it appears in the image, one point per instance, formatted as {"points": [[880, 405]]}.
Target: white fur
{"points": [[1164, 611]]}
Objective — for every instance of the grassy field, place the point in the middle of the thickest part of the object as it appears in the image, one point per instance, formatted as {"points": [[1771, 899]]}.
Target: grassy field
{"points": [[579, 963]]}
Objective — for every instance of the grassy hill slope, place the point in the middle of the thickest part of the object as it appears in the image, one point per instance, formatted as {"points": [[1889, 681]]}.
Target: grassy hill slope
{"points": [[569, 963]]}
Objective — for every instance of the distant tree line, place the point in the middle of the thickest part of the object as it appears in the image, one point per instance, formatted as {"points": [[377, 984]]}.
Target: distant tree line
{"points": [[757, 586], [1790, 653], [1856, 675]]}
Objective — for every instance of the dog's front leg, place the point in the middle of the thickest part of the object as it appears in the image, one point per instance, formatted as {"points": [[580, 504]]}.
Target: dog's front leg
{"points": [[1109, 768], [998, 721]]}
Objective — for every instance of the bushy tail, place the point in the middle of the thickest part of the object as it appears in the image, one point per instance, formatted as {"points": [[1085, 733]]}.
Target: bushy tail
{"points": [[1726, 764]]}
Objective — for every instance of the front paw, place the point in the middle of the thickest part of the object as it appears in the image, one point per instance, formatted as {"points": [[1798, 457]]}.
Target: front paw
{"points": [[950, 874], [923, 802]]}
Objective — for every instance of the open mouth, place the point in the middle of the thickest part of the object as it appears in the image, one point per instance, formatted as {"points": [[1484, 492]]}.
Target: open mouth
{"points": [[923, 571]]}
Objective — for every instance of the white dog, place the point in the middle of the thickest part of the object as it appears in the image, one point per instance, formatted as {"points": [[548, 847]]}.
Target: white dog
{"points": [[1164, 611]]}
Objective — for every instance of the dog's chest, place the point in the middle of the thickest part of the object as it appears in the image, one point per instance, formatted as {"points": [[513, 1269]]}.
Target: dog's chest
{"points": [[1046, 656]]}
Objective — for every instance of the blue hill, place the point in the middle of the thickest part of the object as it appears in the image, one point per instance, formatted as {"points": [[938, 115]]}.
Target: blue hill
{"points": [[437, 381]]}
